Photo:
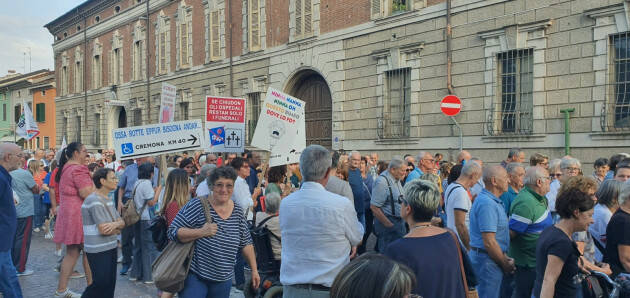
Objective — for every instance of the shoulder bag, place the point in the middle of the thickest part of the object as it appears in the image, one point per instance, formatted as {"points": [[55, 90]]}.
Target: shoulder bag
{"points": [[129, 212], [170, 269], [470, 293]]}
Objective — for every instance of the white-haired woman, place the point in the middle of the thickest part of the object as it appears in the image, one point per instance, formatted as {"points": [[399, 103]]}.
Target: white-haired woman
{"points": [[431, 252], [617, 237], [569, 167]]}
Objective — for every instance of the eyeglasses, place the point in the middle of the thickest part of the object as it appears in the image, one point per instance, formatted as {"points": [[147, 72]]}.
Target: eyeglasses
{"points": [[221, 185], [572, 169], [555, 175]]}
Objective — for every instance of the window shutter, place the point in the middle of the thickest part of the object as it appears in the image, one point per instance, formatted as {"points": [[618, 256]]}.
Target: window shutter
{"points": [[183, 46], [376, 8], [214, 36], [308, 25], [298, 17], [162, 52], [255, 24]]}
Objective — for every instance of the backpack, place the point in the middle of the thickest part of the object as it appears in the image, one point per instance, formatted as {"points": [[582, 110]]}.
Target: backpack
{"points": [[158, 229], [129, 213], [261, 237]]}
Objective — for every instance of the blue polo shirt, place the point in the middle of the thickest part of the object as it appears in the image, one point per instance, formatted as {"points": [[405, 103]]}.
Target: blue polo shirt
{"points": [[130, 176], [8, 216], [488, 215], [507, 198], [415, 174]]}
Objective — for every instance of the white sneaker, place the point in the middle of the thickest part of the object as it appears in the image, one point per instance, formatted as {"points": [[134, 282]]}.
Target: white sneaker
{"points": [[25, 273], [58, 252], [36, 230], [67, 294], [48, 235], [120, 259]]}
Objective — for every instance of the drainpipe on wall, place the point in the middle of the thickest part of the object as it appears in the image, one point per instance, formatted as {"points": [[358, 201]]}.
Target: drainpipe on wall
{"points": [[146, 44], [567, 130], [449, 65], [85, 50], [229, 9]]}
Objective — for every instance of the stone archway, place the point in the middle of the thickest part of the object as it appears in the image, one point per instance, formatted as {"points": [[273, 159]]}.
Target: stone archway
{"points": [[311, 87], [117, 118]]}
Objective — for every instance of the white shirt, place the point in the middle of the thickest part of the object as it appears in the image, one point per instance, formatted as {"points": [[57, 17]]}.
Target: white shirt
{"points": [[601, 217], [114, 165], [457, 199], [242, 196], [551, 195], [318, 230], [144, 192], [203, 189], [477, 188]]}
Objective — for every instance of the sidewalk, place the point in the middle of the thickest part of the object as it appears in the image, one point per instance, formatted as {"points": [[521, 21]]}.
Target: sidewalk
{"points": [[43, 282]]}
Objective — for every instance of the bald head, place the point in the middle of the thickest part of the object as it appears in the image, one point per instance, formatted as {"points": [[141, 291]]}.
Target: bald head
{"points": [[492, 172], [9, 156], [463, 155]]}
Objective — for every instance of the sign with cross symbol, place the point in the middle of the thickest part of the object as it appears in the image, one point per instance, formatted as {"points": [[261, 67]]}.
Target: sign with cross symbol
{"points": [[225, 124]]}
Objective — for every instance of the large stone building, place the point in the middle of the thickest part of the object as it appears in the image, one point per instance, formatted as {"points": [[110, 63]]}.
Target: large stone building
{"points": [[371, 71]]}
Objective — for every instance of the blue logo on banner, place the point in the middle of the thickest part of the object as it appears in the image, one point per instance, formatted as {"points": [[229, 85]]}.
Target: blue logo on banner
{"points": [[217, 136], [127, 148]]}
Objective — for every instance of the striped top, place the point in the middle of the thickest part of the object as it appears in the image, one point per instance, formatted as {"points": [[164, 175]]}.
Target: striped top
{"points": [[94, 213], [214, 257]]}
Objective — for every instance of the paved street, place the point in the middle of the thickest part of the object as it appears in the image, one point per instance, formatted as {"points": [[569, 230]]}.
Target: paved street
{"points": [[43, 282]]}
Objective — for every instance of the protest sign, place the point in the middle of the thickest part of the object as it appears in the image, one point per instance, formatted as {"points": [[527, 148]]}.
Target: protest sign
{"points": [[281, 128], [167, 103], [154, 139], [225, 124]]}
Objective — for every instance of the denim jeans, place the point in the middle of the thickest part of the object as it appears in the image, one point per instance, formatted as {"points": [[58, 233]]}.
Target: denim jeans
{"points": [[195, 287], [9, 285], [295, 292], [524, 279], [39, 210], [388, 235], [239, 269], [489, 274], [144, 251]]}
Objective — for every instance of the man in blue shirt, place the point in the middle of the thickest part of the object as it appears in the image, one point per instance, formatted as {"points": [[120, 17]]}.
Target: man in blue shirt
{"points": [[125, 191], [516, 174], [489, 234], [359, 191], [10, 157], [426, 163]]}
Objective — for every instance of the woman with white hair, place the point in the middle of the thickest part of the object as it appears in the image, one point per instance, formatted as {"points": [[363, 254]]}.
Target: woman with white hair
{"points": [[272, 204], [617, 237], [569, 167]]}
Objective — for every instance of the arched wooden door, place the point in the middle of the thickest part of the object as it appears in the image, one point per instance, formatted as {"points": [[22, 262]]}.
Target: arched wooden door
{"points": [[313, 89]]}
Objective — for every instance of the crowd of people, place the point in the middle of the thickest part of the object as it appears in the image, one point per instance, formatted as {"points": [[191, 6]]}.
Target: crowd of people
{"points": [[521, 228]]}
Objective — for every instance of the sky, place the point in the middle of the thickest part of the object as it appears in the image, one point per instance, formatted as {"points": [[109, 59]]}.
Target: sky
{"points": [[22, 27]]}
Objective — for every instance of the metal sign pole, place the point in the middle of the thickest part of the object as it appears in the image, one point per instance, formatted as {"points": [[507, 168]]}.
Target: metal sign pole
{"points": [[461, 137]]}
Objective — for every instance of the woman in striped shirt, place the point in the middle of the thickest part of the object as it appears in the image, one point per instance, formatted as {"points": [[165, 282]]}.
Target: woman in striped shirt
{"points": [[218, 241]]}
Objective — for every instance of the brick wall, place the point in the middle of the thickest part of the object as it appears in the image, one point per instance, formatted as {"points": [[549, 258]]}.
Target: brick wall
{"points": [[340, 14], [277, 18]]}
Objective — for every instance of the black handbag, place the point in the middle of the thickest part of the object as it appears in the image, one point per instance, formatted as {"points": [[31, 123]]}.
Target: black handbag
{"points": [[158, 230]]}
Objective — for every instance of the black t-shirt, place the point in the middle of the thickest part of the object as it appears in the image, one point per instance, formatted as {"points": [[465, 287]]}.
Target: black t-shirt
{"points": [[617, 233], [554, 241]]}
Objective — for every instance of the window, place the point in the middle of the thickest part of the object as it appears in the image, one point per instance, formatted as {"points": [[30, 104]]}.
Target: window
{"points": [[515, 85], [96, 136], [40, 112], [394, 122], [43, 92], [303, 18], [399, 6], [254, 25], [620, 101], [97, 19], [117, 9], [163, 52], [78, 132], [78, 77], [97, 70], [65, 126], [215, 39], [64, 80], [382, 8], [137, 60], [183, 44], [253, 102], [183, 111], [46, 143], [137, 117], [116, 64], [37, 142], [4, 112]]}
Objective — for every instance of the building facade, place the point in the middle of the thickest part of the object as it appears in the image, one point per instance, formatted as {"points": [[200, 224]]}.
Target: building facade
{"points": [[19, 89], [372, 72]]}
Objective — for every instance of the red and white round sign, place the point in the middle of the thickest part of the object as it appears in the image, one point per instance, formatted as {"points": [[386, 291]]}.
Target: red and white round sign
{"points": [[451, 105]]}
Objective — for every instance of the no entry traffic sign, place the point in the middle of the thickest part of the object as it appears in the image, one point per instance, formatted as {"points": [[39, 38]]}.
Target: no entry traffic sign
{"points": [[451, 105]]}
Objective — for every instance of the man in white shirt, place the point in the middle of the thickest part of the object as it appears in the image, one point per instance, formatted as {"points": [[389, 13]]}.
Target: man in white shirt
{"points": [[203, 189], [320, 230], [241, 194], [458, 201]]}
